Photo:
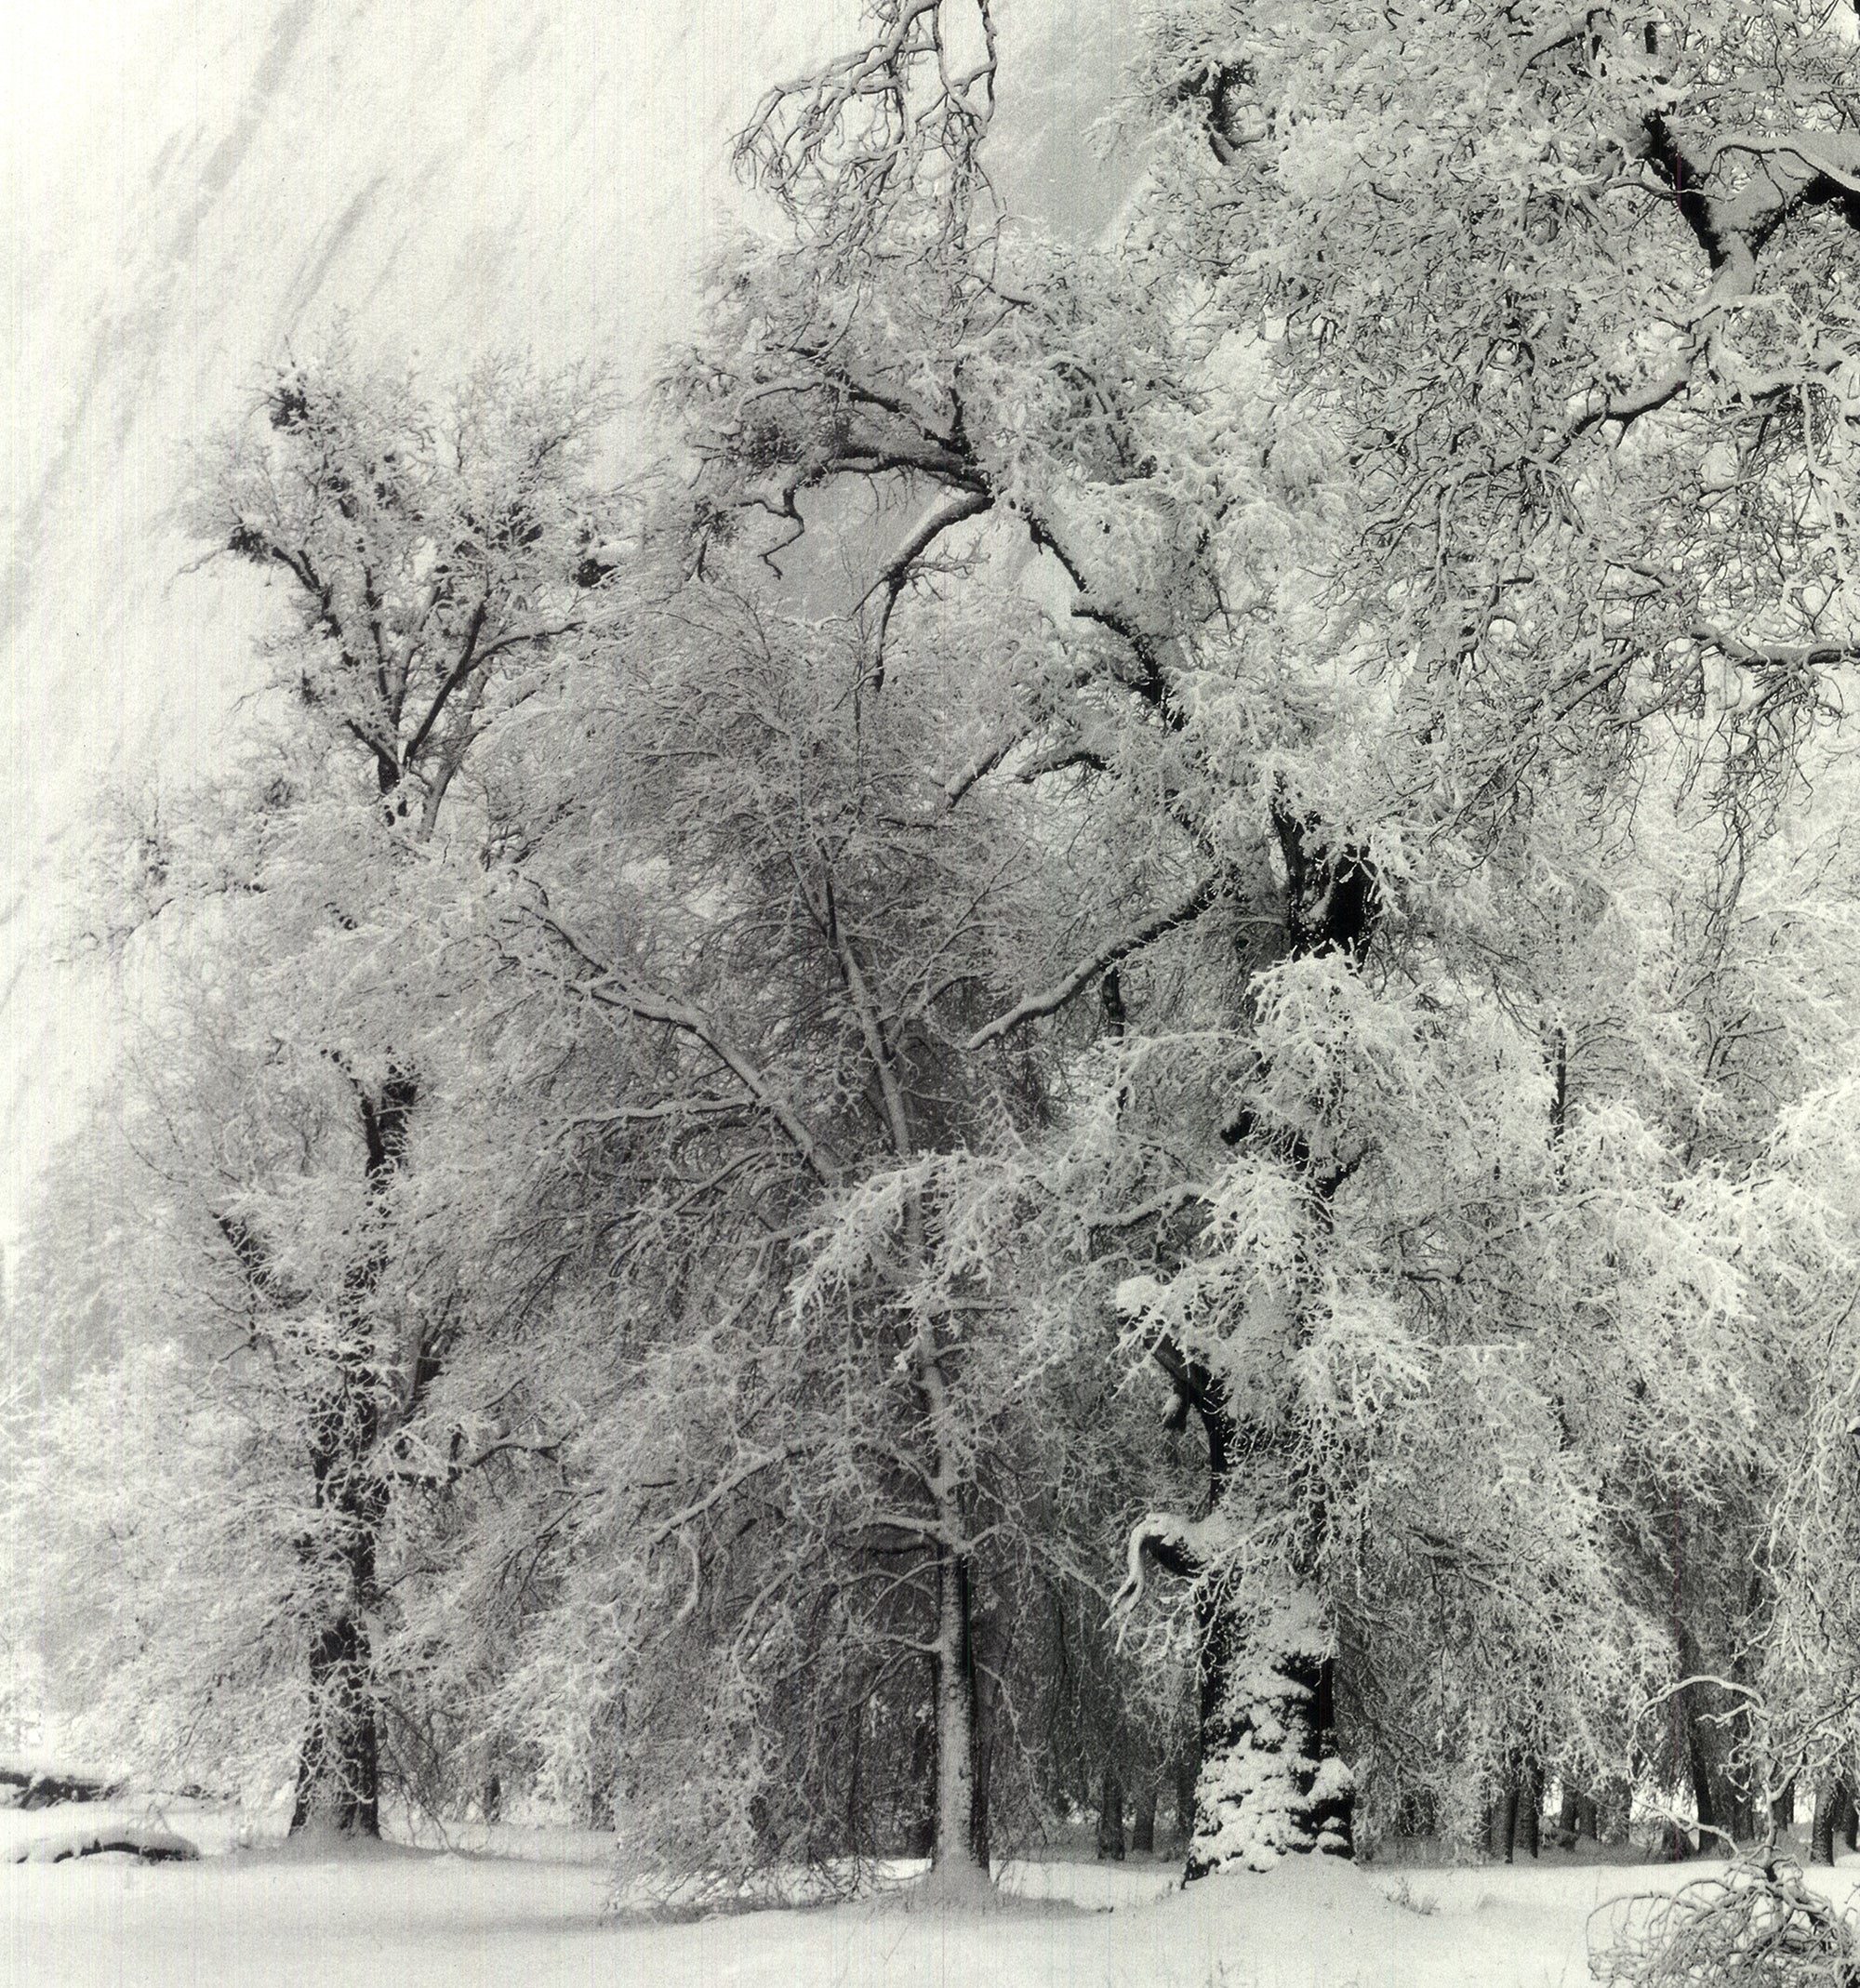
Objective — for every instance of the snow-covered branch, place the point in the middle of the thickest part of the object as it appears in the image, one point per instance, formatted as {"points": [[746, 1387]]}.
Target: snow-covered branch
{"points": [[1051, 999]]}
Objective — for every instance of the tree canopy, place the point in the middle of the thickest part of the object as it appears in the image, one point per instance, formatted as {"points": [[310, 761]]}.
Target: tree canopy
{"points": [[1256, 809]]}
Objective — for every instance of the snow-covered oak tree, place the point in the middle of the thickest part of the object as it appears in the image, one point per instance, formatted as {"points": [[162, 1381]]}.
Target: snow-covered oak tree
{"points": [[776, 923], [1257, 801], [1441, 475], [302, 1174]]}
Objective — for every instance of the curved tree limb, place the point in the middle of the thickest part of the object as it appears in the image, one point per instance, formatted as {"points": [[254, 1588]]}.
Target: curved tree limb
{"points": [[897, 571], [649, 1004], [1051, 999], [1174, 1542]]}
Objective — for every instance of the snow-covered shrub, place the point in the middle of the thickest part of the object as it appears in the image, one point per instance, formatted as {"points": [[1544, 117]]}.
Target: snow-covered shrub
{"points": [[1756, 1925]]}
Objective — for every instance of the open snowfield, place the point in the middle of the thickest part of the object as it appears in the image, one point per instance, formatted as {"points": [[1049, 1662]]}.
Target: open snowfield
{"points": [[534, 1916]]}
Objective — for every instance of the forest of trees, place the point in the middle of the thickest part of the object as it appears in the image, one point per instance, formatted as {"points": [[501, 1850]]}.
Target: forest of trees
{"points": [[1107, 1049]]}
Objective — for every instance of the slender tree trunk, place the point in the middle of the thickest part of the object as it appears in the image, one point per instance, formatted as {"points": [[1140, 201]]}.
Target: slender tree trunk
{"points": [[1822, 1830], [922, 1841], [339, 1765], [1530, 1808], [1186, 1775], [1569, 1812], [1143, 1819], [855, 1831], [1111, 1818], [1505, 1818], [961, 1839]]}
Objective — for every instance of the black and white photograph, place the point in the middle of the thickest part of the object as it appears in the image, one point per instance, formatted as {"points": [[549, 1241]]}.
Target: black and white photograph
{"points": [[931, 964]]}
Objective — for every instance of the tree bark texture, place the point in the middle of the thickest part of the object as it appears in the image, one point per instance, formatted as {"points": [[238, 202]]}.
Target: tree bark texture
{"points": [[339, 1765], [1110, 1817], [1271, 1782], [1186, 1774], [962, 1826]]}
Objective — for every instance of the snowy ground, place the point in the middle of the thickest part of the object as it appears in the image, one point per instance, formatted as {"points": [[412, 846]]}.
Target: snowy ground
{"points": [[267, 1917]]}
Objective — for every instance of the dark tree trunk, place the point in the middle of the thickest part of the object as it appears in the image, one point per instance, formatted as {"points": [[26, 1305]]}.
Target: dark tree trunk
{"points": [[1270, 1782], [1703, 1791], [980, 1710], [1569, 1812], [339, 1765], [1673, 1845], [855, 1829], [338, 1768], [1828, 1803], [1111, 1818], [1782, 1807], [1846, 1820], [1615, 1810], [1505, 1818], [1185, 1799], [1142, 1821], [1587, 1820], [1530, 1806]]}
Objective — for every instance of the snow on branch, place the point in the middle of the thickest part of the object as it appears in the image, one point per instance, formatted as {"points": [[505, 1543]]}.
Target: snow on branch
{"points": [[1183, 913], [1773, 656], [985, 763], [1176, 1544], [910, 106], [649, 1005], [732, 1480], [896, 575]]}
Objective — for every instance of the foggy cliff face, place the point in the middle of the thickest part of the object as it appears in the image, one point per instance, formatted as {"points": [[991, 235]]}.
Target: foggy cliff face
{"points": [[193, 183]]}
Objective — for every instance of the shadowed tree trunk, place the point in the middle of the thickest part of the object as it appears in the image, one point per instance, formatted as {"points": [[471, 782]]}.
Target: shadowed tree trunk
{"points": [[1835, 1816], [1111, 1818], [1186, 1773], [1505, 1819], [922, 1838], [1270, 1780], [1142, 1821], [1828, 1801], [338, 1766], [1530, 1806]]}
